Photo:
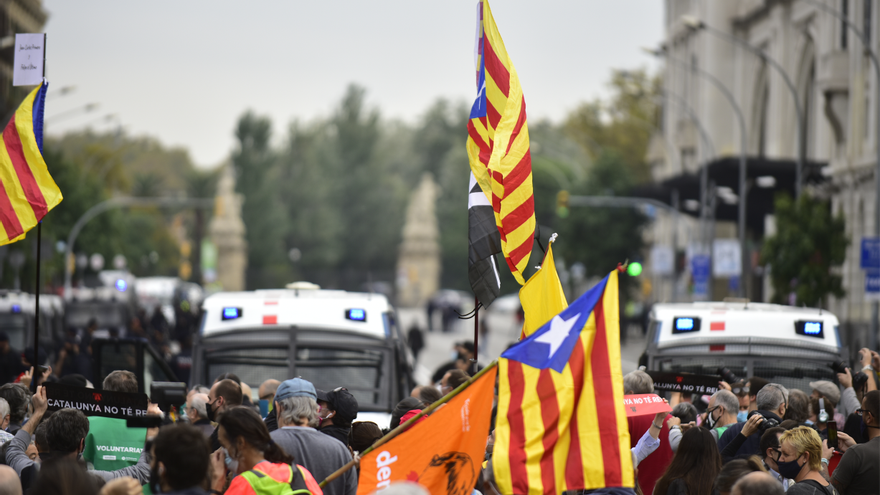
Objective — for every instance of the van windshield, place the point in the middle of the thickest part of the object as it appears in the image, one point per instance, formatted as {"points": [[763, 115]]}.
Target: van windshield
{"points": [[789, 373], [362, 370]]}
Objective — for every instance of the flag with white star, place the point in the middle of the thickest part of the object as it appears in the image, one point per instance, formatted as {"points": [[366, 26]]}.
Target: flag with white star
{"points": [[561, 423]]}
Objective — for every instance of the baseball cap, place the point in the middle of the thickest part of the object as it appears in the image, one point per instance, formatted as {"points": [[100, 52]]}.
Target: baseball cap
{"points": [[827, 389], [341, 401], [295, 387]]}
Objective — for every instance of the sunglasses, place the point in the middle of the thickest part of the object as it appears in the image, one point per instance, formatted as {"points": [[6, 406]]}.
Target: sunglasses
{"points": [[739, 390]]}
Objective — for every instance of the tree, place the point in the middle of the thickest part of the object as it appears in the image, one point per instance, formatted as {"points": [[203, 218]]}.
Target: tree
{"points": [[808, 245], [263, 212], [623, 124]]}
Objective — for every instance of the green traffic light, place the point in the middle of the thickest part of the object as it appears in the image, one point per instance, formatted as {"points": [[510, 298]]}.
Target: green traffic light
{"points": [[634, 269], [562, 212]]}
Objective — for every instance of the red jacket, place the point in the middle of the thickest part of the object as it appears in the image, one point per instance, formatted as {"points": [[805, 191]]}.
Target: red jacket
{"points": [[653, 467]]}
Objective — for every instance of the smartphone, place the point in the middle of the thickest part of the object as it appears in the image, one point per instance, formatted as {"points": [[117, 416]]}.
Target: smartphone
{"points": [[832, 434], [42, 369]]}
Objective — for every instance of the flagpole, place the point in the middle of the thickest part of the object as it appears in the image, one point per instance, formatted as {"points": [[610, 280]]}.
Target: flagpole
{"points": [[476, 329], [34, 363], [404, 426]]}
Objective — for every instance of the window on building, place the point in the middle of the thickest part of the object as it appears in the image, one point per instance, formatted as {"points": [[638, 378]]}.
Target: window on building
{"points": [[844, 30]]}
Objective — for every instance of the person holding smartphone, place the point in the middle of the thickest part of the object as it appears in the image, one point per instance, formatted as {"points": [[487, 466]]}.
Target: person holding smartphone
{"points": [[859, 469]]}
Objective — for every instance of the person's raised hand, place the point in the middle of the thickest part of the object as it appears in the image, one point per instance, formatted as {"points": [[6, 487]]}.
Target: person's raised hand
{"points": [[218, 465], [865, 356], [40, 402], [672, 421], [845, 379], [121, 486], [844, 441], [724, 385], [827, 451], [751, 425], [27, 377], [875, 360], [687, 426]]}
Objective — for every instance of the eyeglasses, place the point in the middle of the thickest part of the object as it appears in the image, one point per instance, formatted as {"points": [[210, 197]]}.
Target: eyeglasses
{"points": [[738, 390]]}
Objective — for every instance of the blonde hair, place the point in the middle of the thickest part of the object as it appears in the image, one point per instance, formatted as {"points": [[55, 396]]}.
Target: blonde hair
{"points": [[805, 439]]}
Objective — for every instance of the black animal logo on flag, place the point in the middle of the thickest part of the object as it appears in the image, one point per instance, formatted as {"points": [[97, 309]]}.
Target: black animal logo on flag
{"points": [[458, 469]]}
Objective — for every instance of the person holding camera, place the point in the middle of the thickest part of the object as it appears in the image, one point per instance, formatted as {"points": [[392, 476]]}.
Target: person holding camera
{"points": [[771, 401]]}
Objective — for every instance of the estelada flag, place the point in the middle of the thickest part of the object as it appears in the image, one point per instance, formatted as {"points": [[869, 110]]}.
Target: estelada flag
{"points": [[561, 423], [498, 144], [542, 297], [443, 453], [28, 191]]}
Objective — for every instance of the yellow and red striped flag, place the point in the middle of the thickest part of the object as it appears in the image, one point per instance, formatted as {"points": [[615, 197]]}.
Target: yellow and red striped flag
{"points": [[542, 297], [561, 423], [28, 191], [498, 144]]}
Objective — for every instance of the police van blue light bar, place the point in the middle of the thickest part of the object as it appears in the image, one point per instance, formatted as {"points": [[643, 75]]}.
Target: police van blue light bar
{"points": [[685, 324], [16, 308], [356, 314], [809, 329], [231, 313], [121, 285]]}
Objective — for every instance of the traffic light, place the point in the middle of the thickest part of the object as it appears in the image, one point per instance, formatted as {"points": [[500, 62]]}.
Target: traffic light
{"points": [[634, 269], [562, 204]]}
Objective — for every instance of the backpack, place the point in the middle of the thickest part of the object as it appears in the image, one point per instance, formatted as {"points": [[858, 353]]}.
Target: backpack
{"points": [[266, 485]]}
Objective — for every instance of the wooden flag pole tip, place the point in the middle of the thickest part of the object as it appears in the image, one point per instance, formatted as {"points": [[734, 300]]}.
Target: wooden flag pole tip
{"points": [[404, 426]]}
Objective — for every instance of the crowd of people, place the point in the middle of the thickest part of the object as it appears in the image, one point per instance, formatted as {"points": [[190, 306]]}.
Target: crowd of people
{"points": [[751, 437], [757, 437]]}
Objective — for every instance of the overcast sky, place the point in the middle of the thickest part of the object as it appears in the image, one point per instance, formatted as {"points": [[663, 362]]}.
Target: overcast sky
{"points": [[184, 71]]}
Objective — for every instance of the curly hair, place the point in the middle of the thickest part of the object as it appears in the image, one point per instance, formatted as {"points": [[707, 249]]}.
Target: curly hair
{"points": [[18, 397]]}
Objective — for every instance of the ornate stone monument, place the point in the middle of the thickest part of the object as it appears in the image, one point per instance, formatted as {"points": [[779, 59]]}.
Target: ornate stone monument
{"points": [[418, 267], [227, 233]]}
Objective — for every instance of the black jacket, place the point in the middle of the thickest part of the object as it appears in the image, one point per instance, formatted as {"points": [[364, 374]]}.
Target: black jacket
{"points": [[338, 432], [747, 446]]}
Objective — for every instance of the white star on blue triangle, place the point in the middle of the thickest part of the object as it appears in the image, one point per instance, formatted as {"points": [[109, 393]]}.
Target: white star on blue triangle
{"points": [[551, 345]]}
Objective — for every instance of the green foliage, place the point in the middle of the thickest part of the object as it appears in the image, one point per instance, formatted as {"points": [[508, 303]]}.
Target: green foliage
{"points": [[808, 245], [623, 124], [600, 238], [264, 217]]}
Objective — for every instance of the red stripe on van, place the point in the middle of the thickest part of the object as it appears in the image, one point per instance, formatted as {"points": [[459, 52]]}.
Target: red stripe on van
{"points": [[270, 319], [271, 303], [716, 326], [716, 347]]}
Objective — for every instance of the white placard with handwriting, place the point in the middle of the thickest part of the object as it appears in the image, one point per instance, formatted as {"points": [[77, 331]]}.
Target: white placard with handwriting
{"points": [[28, 65]]}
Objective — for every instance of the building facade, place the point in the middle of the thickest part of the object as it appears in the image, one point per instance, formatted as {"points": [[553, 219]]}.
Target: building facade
{"points": [[833, 83]]}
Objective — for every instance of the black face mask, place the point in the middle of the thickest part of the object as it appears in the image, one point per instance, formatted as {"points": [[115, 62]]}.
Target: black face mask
{"points": [[211, 412]]}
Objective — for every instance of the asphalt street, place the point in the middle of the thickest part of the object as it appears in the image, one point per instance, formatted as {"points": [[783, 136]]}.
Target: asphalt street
{"points": [[503, 330]]}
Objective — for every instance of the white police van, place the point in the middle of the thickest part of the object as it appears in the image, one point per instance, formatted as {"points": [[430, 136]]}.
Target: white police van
{"points": [[331, 338], [783, 344]]}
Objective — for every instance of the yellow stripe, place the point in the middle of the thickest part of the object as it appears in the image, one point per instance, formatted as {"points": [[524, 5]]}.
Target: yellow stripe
{"points": [[588, 416], [500, 453], [611, 308], [534, 426], [565, 400], [494, 95], [25, 126], [14, 191]]}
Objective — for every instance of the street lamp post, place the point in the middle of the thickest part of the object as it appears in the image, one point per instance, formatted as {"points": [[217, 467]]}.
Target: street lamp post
{"points": [[875, 306], [696, 24], [741, 221]]}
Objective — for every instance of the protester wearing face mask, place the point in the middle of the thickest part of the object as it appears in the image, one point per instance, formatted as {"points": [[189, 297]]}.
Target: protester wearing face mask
{"points": [[859, 469], [261, 465], [801, 460], [295, 401], [720, 414], [336, 410], [223, 395], [770, 453]]}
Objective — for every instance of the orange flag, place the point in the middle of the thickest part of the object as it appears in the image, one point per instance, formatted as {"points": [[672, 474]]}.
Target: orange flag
{"points": [[443, 453]]}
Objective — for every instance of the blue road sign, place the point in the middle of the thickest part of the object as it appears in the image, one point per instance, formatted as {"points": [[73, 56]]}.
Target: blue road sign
{"points": [[700, 270], [872, 285], [870, 258]]}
